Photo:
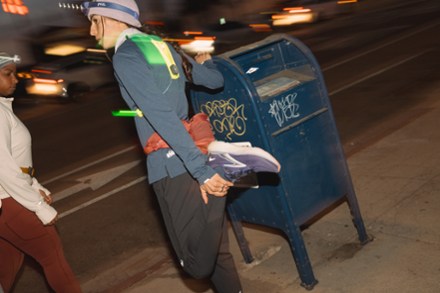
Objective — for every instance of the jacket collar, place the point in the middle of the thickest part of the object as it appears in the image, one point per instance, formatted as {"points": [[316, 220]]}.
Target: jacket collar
{"points": [[123, 36]]}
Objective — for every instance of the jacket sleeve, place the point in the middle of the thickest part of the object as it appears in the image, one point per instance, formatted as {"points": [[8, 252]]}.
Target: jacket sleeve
{"points": [[17, 184], [206, 74], [133, 72]]}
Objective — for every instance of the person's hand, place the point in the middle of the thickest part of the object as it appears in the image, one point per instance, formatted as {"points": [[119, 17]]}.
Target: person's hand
{"points": [[47, 198], [216, 186], [202, 57]]}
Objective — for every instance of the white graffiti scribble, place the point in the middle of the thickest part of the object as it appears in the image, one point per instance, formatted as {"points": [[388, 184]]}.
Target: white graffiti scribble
{"points": [[226, 117], [284, 109]]}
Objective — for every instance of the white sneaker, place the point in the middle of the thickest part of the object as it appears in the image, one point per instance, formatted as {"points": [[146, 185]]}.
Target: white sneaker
{"points": [[238, 161]]}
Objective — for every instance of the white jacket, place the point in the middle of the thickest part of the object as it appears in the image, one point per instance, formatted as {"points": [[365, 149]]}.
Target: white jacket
{"points": [[16, 152]]}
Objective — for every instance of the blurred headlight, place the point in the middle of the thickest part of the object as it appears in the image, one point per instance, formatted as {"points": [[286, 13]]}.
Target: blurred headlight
{"points": [[261, 27], [46, 87], [347, 1], [63, 49], [294, 15], [199, 44], [24, 75]]}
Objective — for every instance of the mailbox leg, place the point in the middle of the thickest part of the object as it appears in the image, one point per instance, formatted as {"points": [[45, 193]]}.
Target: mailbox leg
{"points": [[239, 234], [357, 218], [301, 257]]}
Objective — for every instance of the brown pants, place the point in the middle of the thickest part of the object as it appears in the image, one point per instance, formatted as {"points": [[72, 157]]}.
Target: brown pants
{"points": [[22, 232]]}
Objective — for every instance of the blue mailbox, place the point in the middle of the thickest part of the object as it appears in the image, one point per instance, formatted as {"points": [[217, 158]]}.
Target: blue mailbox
{"points": [[275, 98]]}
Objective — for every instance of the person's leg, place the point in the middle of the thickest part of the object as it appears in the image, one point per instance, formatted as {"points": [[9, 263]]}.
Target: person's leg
{"points": [[225, 277], [25, 231], [11, 260], [195, 228]]}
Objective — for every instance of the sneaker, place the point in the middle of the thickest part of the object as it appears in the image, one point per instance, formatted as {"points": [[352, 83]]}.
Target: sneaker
{"points": [[239, 161]]}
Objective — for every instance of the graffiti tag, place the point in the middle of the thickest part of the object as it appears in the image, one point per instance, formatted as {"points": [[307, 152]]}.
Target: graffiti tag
{"points": [[284, 109], [226, 117]]}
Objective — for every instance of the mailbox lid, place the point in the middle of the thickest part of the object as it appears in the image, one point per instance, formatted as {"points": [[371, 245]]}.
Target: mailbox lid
{"points": [[284, 78], [275, 64]]}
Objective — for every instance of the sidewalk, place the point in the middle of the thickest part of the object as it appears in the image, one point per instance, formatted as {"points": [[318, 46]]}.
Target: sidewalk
{"points": [[397, 182]]}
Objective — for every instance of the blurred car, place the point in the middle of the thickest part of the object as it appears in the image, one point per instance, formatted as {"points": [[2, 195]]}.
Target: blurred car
{"points": [[208, 38], [67, 77], [294, 15], [228, 31], [310, 11], [191, 42], [213, 37], [231, 33]]}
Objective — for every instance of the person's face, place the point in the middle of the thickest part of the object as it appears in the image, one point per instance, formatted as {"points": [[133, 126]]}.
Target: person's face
{"points": [[8, 80], [106, 30]]}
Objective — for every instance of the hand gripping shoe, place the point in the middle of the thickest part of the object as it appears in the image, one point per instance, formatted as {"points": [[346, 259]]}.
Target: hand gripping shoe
{"points": [[238, 161]]}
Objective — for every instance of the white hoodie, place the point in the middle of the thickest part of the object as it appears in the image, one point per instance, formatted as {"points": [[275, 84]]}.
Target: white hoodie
{"points": [[16, 152]]}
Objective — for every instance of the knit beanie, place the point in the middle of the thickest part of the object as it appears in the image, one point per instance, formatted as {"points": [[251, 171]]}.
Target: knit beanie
{"points": [[125, 11], [6, 59]]}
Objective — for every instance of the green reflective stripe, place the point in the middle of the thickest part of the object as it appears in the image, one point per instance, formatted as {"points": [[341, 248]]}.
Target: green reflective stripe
{"points": [[156, 52], [127, 113]]}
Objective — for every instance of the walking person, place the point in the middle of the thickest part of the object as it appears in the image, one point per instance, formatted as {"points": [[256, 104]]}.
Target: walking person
{"points": [[152, 76], [26, 217]]}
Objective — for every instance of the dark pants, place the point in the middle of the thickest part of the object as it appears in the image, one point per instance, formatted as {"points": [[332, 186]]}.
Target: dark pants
{"points": [[22, 232], [198, 232]]}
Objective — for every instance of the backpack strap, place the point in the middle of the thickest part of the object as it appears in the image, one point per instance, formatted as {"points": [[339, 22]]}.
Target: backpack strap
{"points": [[156, 52]]}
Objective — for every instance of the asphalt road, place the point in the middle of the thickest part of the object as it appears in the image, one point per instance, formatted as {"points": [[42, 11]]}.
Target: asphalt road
{"points": [[377, 63]]}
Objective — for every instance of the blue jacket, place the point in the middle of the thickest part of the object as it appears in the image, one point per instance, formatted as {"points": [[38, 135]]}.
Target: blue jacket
{"points": [[164, 104]]}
